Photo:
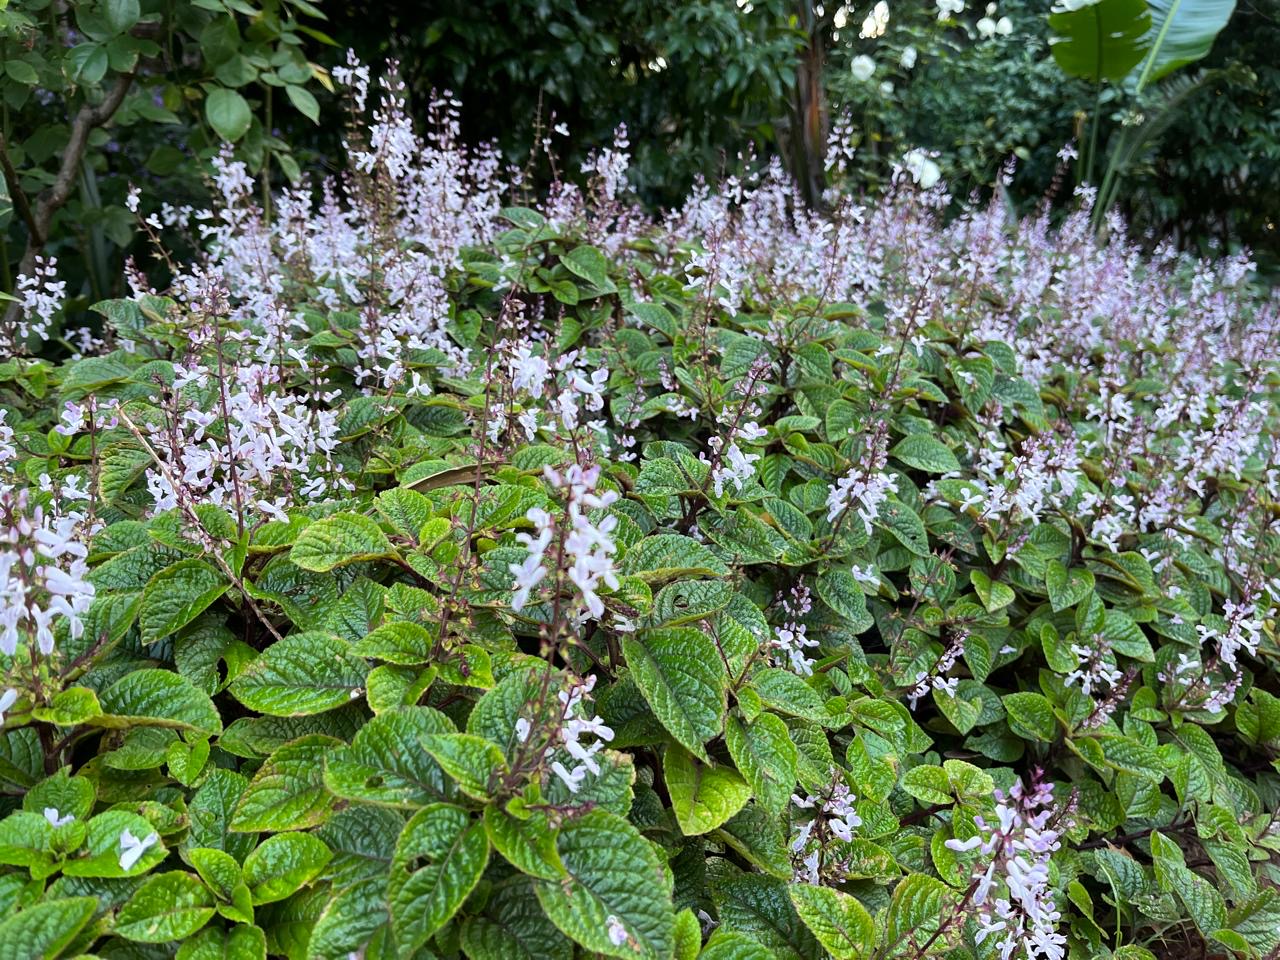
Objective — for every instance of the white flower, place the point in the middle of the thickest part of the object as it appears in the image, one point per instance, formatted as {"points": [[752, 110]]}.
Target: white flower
{"points": [[922, 169], [986, 27], [7, 700], [1004, 26], [949, 8], [886, 88], [876, 22], [862, 68], [57, 820], [908, 58], [617, 932], [132, 849], [528, 372]]}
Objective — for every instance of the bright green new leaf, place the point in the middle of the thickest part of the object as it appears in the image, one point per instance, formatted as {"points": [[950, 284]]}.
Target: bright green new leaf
{"points": [[283, 864], [167, 907], [703, 797]]}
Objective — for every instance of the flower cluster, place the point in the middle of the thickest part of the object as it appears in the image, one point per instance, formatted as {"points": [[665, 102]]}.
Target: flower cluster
{"points": [[789, 637], [43, 571], [585, 549], [833, 816], [40, 297], [1011, 892], [575, 725]]}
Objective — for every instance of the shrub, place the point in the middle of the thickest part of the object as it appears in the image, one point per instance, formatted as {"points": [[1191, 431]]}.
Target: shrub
{"points": [[423, 576]]}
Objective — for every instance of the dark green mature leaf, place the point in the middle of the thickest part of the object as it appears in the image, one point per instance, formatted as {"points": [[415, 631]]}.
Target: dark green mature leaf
{"points": [[682, 676], [177, 595], [1198, 895], [925, 452], [287, 792], [613, 872], [386, 764], [41, 931], [764, 753], [157, 698], [1102, 40], [455, 849], [302, 674]]}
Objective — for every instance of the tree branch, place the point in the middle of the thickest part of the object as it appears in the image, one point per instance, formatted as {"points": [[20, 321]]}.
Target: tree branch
{"points": [[87, 119]]}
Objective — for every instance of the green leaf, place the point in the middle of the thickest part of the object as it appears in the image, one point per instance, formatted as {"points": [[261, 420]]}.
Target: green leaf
{"points": [[687, 601], [668, 556], [841, 592], [70, 707], [455, 849], [703, 797], [925, 452], [994, 594], [386, 764], [1131, 756], [1102, 40], [284, 864], [121, 15], [339, 540], [527, 844], [474, 763], [41, 931], [613, 871], [303, 101], [761, 908], [1182, 31], [400, 641], [591, 265], [302, 674], [918, 905], [1198, 895], [842, 924], [1030, 716], [683, 679], [905, 525], [157, 698], [928, 784], [228, 113], [762, 750], [241, 942], [167, 907], [177, 595], [21, 71], [218, 869], [1067, 587], [287, 792]]}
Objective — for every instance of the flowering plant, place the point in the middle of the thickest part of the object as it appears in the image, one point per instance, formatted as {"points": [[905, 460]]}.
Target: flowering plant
{"points": [[427, 573]]}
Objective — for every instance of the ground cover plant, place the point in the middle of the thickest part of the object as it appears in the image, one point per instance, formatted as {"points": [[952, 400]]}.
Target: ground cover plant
{"points": [[435, 569]]}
